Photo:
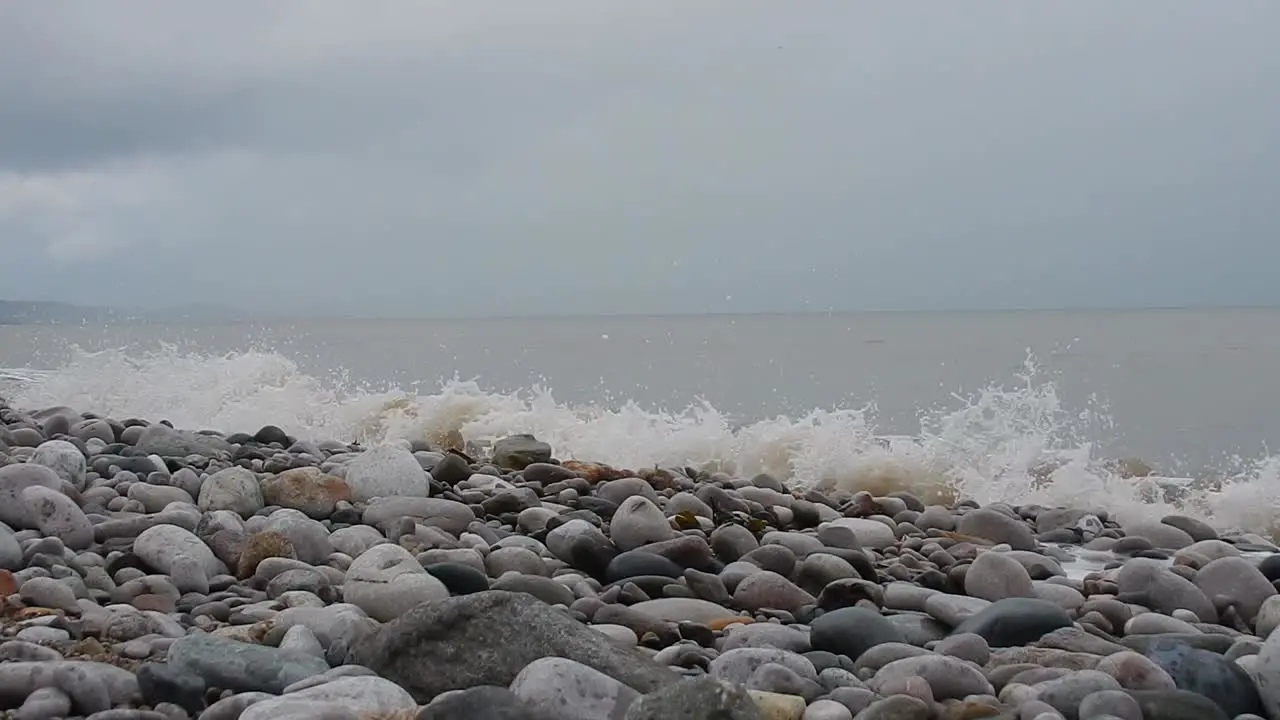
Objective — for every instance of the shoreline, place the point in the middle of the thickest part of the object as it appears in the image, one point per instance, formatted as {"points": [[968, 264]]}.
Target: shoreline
{"points": [[165, 573]]}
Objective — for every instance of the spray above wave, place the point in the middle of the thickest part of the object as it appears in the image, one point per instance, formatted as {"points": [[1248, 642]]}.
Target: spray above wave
{"points": [[1015, 445]]}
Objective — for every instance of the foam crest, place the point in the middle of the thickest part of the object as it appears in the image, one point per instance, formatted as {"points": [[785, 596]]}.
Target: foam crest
{"points": [[1016, 444]]}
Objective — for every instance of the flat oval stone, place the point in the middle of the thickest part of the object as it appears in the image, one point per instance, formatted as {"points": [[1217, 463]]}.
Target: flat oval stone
{"points": [[1015, 621]]}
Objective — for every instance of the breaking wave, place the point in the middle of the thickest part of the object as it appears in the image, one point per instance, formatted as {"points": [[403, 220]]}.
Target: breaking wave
{"points": [[1014, 444]]}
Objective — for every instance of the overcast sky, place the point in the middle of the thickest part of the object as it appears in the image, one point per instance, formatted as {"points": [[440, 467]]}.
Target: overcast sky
{"points": [[579, 156]]}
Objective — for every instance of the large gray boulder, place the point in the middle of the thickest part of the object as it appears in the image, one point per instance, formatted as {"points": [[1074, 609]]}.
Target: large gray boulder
{"points": [[242, 667], [487, 638]]}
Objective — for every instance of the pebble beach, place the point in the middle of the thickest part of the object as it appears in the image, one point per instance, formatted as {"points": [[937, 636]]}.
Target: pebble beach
{"points": [[152, 573]]}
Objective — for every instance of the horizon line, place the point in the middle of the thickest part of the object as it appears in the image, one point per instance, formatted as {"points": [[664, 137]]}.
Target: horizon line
{"points": [[302, 316]]}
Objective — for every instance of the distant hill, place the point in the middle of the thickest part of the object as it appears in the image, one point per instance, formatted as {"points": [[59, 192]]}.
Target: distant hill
{"points": [[28, 312], [35, 312]]}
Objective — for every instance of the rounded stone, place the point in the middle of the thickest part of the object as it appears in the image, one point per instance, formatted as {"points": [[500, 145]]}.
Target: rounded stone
{"points": [[827, 710], [865, 533], [948, 677], [259, 547], [852, 631], [386, 581], [1164, 590], [514, 559], [306, 489], [234, 488], [180, 555], [637, 522], [1160, 535], [1015, 621], [16, 478], [738, 665], [1115, 703], [1238, 580], [310, 538], [1209, 674], [386, 471], [571, 690], [995, 576], [634, 563], [459, 578], [1066, 693], [965, 646], [57, 515], [49, 593], [991, 524], [766, 589], [1135, 671], [64, 459]]}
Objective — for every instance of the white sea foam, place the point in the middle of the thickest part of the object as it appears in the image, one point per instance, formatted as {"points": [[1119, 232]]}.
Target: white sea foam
{"points": [[1014, 444]]}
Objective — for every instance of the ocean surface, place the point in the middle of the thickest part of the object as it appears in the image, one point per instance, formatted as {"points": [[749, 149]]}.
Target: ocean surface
{"points": [[1053, 407]]}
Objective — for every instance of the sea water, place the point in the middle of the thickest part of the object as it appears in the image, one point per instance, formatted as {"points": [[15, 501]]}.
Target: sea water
{"points": [[1140, 413]]}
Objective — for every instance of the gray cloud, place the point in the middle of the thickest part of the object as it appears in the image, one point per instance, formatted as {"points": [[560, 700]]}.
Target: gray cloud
{"points": [[582, 156]]}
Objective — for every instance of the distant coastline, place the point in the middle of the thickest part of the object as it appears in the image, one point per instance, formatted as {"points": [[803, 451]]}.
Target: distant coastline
{"points": [[42, 312], [39, 312]]}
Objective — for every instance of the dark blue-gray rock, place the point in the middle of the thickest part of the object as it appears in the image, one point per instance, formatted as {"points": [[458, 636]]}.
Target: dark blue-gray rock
{"points": [[238, 666], [1209, 674], [272, 434], [590, 554], [1015, 621], [161, 682], [547, 473], [451, 470], [520, 451], [487, 638], [852, 631], [460, 578], [700, 698], [486, 702], [1269, 566], [1176, 705], [823, 660], [638, 562]]}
